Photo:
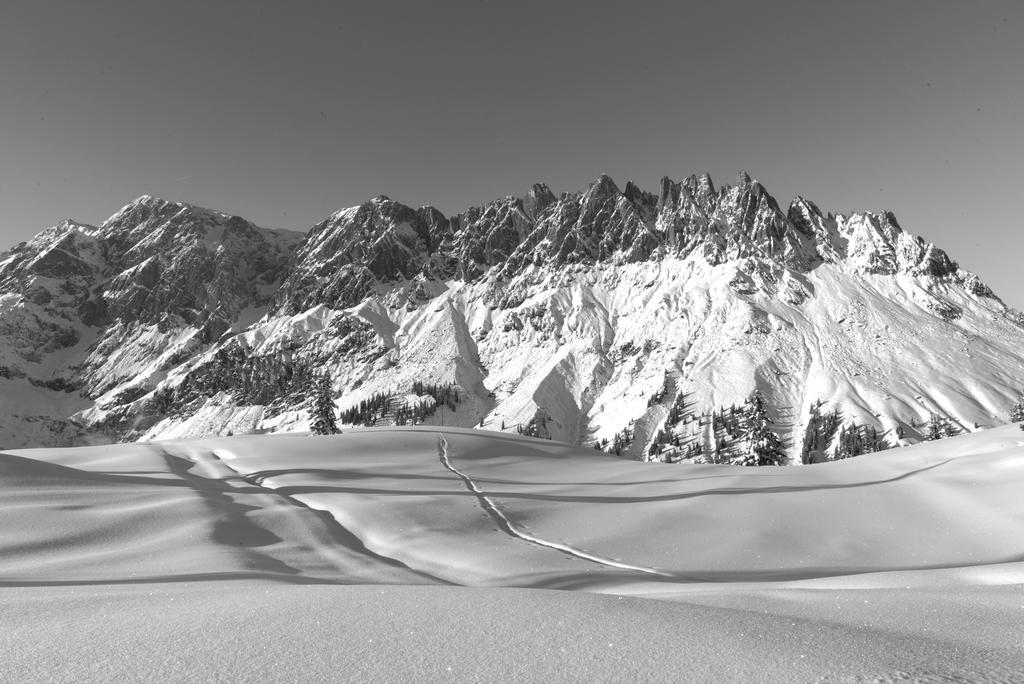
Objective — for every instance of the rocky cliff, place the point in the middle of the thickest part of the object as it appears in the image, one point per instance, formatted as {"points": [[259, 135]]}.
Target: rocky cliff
{"points": [[613, 314]]}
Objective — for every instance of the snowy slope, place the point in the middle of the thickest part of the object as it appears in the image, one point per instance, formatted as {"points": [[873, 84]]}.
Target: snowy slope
{"points": [[419, 553], [592, 317]]}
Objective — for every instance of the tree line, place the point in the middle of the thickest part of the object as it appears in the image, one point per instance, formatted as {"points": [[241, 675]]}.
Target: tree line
{"points": [[379, 407], [739, 435]]}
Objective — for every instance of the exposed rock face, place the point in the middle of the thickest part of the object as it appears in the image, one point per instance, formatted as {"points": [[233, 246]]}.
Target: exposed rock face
{"points": [[485, 236], [175, 260], [576, 317], [537, 200], [78, 299], [344, 256]]}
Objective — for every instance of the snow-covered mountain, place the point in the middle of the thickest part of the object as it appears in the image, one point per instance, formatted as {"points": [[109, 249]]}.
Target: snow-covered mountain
{"points": [[612, 314]]}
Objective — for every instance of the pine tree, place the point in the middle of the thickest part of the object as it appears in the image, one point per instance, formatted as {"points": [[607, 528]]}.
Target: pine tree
{"points": [[323, 408], [811, 432], [764, 446], [767, 447], [1017, 411], [935, 427]]}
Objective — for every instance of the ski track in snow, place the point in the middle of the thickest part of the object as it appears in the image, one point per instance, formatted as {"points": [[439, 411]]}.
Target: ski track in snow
{"points": [[491, 507]]}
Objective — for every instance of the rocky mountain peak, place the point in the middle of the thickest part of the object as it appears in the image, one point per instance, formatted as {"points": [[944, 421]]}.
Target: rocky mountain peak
{"points": [[668, 196], [343, 256], [159, 309], [538, 198], [385, 241], [603, 187], [702, 190], [142, 209]]}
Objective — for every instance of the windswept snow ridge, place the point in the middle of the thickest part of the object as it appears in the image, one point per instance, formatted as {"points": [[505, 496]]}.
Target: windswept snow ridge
{"points": [[217, 476]]}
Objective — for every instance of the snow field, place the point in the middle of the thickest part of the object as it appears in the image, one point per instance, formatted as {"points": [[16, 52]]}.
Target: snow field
{"points": [[371, 554]]}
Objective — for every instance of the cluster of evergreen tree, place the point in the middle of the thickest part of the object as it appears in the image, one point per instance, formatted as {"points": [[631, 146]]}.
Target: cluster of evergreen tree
{"points": [[618, 444], [826, 433], [250, 380], [368, 411], [415, 413], [1017, 411], [855, 440], [382, 405], [939, 426], [447, 394], [733, 421], [764, 447], [742, 435], [671, 447], [816, 435], [728, 426], [668, 440], [662, 441], [622, 440], [694, 450], [677, 411], [536, 427]]}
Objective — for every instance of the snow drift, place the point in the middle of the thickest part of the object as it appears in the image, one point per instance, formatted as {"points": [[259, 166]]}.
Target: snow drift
{"points": [[420, 553]]}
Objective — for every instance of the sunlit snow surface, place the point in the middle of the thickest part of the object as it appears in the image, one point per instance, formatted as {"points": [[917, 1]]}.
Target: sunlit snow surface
{"points": [[415, 554]]}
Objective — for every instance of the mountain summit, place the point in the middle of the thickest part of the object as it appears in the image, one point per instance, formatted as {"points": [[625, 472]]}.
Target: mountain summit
{"points": [[640, 322]]}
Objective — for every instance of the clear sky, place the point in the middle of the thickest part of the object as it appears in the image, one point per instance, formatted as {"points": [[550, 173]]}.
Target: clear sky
{"points": [[283, 112]]}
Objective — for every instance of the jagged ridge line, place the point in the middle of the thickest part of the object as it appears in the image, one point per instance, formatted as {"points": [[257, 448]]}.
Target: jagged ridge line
{"points": [[491, 507]]}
